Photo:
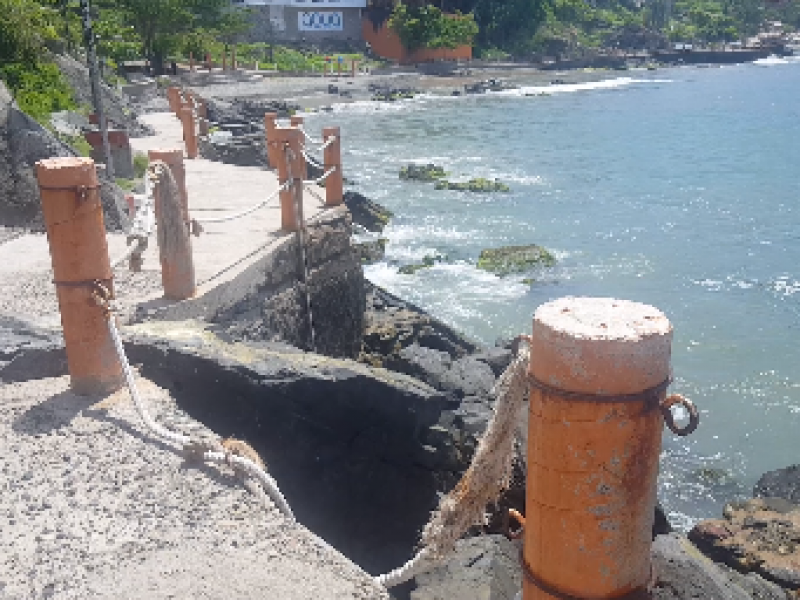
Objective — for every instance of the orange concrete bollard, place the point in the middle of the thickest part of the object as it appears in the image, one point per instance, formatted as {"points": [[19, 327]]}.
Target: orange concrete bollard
{"points": [[73, 216], [270, 124], [191, 62], [599, 371], [173, 157], [332, 155], [189, 131], [224, 61], [296, 121], [288, 138]]}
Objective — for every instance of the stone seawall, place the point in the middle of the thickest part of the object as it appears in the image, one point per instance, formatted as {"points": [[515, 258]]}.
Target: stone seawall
{"points": [[267, 300]]}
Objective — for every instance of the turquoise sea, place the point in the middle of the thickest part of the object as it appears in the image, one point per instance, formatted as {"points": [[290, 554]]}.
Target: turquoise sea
{"points": [[678, 188]]}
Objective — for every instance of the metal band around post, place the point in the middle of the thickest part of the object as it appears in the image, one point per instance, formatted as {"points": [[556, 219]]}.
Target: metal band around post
{"points": [[642, 593]]}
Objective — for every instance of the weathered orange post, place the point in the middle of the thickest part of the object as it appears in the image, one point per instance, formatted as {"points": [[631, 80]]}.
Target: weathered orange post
{"points": [[189, 131], [273, 153], [191, 61], [297, 123], [599, 371], [173, 99], [290, 140], [173, 157], [332, 155], [73, 215], [224, 60], [177, 264]]}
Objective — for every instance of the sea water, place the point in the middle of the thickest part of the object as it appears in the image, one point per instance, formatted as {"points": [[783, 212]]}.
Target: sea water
{"points": [[678, 188]]}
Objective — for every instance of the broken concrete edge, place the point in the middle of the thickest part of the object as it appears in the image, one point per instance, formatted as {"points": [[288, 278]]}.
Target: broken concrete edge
{"points": [[263, 297]]}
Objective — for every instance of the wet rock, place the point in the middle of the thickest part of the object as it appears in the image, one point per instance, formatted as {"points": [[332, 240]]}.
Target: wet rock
{"points": [[479, 185], [427, 262], [366, 213], [782, 483], [371, 251], [482, 568], [760, 536], [683, 573], [393, 324], [429, 172], [514, 259], [487, 85]]}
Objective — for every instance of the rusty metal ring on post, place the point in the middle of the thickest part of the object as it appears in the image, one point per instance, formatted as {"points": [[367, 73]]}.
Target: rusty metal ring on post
{"points": [[81, 191], [100, 289], [642, 593], [650, 396], [519, 518], [669, 419]]}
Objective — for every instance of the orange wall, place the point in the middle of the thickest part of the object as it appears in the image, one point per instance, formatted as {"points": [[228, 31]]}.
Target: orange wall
{"points": [[386, 43]]}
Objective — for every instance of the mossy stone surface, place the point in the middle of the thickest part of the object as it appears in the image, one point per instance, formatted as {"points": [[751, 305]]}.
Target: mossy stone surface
{"points": [[428, 172], [479, 185], [515, 259]]}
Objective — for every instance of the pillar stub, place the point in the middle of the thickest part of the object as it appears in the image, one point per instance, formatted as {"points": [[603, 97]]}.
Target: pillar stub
{"points": [[600, 345]]}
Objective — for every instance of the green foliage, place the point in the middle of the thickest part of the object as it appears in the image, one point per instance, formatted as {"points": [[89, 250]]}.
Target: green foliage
{"points": [[428, 27], [77, 142], [140, 164], [26, 28], [126, 185]]}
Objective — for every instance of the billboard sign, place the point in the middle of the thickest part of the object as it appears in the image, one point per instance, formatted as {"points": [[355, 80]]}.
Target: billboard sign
{"points": [[320, 21]]}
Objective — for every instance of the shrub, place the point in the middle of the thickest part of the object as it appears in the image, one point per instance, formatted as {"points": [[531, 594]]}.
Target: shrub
{"points": [[140, 163]]}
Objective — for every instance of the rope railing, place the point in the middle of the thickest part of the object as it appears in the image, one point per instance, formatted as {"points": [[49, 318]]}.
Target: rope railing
{"points": [[312, 160], [143, 221], [211, 452], [245, 212], [312, 140]]}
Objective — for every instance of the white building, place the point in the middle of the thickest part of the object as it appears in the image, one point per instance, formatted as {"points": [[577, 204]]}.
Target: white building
{"points": [[305, 20]]}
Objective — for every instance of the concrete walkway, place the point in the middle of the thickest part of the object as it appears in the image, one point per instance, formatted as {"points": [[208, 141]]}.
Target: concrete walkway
{"points": [[223, 251]]}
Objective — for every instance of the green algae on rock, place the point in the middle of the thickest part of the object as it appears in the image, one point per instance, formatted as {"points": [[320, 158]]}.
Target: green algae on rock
{"points": [[427, 262], [514, 259], [428, 172], [473, 185]]}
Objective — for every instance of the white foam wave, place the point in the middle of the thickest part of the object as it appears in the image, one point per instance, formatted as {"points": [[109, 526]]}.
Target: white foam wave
{"points": [[771, 61], [566, 88]]}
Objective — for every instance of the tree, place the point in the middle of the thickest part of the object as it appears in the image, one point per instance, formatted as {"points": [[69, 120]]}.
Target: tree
{"points": [[159, 23], [428, 27]]}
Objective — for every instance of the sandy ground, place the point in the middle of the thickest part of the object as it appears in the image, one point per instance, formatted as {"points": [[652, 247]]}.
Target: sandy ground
{"points": [[91, 506]]}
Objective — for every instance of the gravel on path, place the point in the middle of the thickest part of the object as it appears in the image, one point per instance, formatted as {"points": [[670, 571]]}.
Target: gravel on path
{"points": [[91, 506]]}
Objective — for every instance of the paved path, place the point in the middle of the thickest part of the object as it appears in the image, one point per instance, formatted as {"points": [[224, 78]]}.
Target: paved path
{"points": [[221, 252]]}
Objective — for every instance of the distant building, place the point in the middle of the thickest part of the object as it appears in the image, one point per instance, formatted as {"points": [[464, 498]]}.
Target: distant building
{"points": [[312, 21]]}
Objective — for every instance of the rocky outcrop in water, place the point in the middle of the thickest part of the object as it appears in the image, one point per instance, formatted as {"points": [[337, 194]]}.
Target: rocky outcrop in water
{"points": [[781, 483], [366, 213], [759, 536], [479, 185], [429, 172], [514, 259]]}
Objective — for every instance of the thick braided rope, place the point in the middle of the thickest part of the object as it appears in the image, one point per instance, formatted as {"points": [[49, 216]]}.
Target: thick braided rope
{"points": [[488, 475]]}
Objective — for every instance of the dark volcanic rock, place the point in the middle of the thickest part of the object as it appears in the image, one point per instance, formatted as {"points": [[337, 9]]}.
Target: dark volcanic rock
{"points": [[244, 151], [782, 483], [760, 536], [28, 352], [23, 142], [482, 568], [393, 324], [683, 573], [370, 215], [358, 452]]}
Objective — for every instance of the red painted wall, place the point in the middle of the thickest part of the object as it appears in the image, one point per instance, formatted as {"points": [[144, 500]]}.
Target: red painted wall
{"points": [[386, 43]]}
